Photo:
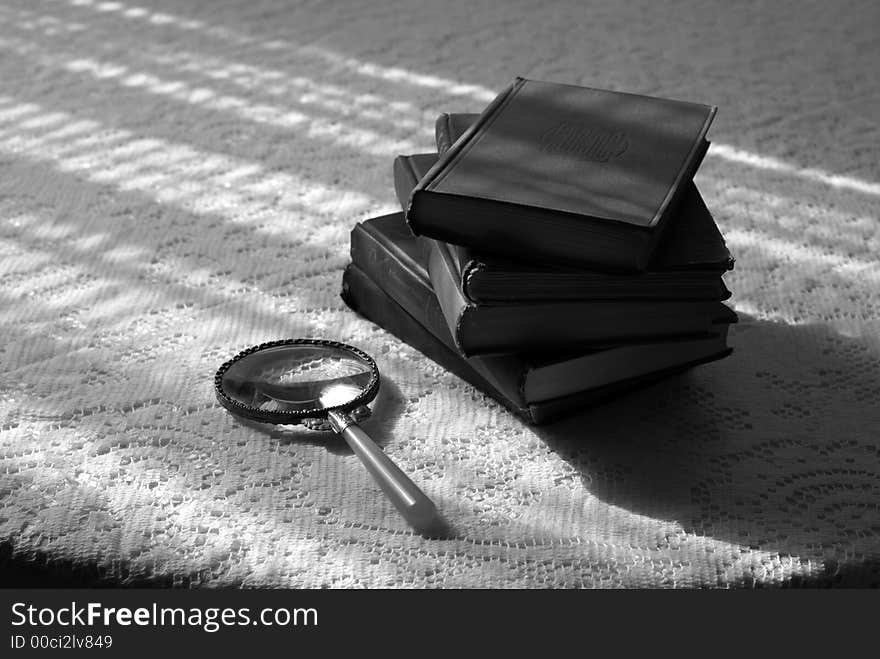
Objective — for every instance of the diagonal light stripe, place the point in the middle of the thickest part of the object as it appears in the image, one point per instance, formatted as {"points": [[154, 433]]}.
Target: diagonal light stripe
{"points": [[340, 133], [368, 69], [275, 82], [768, 163], [848, 266], [113, 156], [451, 87], [803, 218]]}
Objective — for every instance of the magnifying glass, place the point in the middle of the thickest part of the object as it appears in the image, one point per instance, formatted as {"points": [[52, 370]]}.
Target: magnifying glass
{"points": [[325, 385]]}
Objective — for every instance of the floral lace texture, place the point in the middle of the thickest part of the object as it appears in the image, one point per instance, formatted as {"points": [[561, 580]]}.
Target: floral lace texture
{"points": [[178, 181]]}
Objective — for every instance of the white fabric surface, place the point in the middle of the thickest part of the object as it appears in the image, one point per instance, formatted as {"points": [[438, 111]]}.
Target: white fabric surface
{"points": [[178, 180]]}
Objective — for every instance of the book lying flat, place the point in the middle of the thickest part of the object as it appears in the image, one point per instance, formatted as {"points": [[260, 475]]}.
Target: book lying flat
{"points": [[383, 250], [485, 329], [560, 174], [690, 258], [365, 297], [691, 239], [539, 389]]}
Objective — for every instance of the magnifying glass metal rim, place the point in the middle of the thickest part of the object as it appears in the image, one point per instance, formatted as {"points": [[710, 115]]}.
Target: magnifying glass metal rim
{"points": [[412, 503], [295, 416]]}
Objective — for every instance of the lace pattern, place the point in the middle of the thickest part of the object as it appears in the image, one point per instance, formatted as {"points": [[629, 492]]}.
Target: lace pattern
{"points": [[178, 183]]}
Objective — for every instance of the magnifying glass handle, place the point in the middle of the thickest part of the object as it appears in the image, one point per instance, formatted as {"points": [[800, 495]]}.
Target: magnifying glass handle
{"points": [[413, 504]]}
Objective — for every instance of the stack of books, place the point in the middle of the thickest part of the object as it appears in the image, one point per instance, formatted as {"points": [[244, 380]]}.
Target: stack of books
{"points": [[554, 251]]}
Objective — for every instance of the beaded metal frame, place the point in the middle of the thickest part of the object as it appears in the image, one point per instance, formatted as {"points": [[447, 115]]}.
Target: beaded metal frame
{"points": [[298, 416]]}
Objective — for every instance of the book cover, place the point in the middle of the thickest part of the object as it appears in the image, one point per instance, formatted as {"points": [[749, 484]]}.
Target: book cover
{"points": [[366, 298], [555, 174], [487, 328], [691, 239], [383, 250], [690, 257]]}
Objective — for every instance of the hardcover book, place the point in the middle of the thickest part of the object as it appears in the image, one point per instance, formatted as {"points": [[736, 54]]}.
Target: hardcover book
{"points": [[560, 174], [691, 239], [485, 329], [383, 250], [537, 387], [688, 262]]}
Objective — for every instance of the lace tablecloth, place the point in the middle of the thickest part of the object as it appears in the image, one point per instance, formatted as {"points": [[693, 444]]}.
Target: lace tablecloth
{"points": [[178, 180]]}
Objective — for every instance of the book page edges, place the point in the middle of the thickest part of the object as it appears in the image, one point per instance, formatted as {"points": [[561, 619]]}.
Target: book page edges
{"points": [[685, 168]]}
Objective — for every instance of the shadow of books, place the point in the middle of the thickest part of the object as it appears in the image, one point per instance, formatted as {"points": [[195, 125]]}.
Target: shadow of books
{"points": [[774, 449]]}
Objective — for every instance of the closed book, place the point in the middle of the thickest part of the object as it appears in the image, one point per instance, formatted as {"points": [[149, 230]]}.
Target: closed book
{"points": [[690, 241], [365, 297], [689, 260], [382, 250], [560, 174], [491, 328]]}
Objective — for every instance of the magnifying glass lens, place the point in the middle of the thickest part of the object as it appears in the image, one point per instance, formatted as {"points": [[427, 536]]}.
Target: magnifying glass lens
{"points": [[295, 380], [297, 377]]}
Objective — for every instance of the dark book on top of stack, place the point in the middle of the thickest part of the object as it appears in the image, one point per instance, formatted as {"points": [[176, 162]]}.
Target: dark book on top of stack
{"points": [[560, 174], [599, 314], [687, 263]]}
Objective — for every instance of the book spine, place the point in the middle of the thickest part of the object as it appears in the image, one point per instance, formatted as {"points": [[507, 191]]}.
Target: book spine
{"points": [[472, 270], [414, 208], [447, 288], [673, 200], [365, 297], [412, 291], [401, 281], [447, 129], [461, 146], [688, 167], [406, 177]]}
